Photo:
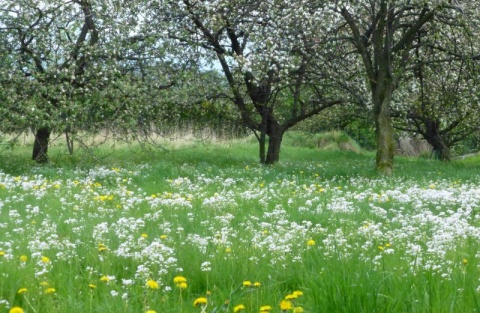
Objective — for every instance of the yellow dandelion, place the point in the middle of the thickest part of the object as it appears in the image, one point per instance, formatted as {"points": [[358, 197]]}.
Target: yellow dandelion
{"points": [[92, 286], [298, 309], [265, 308], [182, 285], [44, 283], [102, 247], [163, 237], [105, 279], [16, 309], [179, 279], [228, 250], [311, 242], [151, 311], [247, 283], [238, 308], [464, 261], [50, 291], [200, 301], [23, 258], [297, 293], [144, 235], [45, 259], [257, 284], [22, 290], [291, 297], [2, 253], [286, 305], [151, 284]]}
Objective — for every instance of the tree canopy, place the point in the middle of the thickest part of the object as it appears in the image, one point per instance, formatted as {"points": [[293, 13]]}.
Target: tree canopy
{"points": [[83, 65]]}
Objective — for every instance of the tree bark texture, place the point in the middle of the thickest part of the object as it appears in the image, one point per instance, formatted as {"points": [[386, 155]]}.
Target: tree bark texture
{"points": [[384, 128], [274, 143]]}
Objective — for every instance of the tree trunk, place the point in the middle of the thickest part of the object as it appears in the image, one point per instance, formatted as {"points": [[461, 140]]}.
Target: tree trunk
{"points": [[263, 132], [40, 146], [274, 143], [261, 143], [69, 143], [440, 150], [384, 131]]}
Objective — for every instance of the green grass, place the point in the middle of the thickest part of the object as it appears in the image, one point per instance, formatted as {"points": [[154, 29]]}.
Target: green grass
{"points": [[320, 221]]}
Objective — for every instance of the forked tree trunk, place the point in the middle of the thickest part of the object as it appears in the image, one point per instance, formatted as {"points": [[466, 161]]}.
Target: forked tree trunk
{"points": [[40, 146]]}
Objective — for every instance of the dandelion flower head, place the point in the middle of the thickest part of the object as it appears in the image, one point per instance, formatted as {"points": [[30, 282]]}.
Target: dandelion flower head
{"points": [[238, 308], [179, 280], [50, 291], [286, 305], [16, 309], [151, 284], [200, 301]]}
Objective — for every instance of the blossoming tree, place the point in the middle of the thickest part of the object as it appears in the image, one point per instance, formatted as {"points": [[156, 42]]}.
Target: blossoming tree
{"points": [[49, 42], [76, 64], [264, 50], [383, 34]]}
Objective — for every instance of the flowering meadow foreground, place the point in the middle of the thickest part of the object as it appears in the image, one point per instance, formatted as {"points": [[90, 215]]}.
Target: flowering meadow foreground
{"points": [[209, 236]]}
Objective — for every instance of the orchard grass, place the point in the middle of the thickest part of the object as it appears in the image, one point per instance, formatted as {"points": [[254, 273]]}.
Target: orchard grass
{"points": [[206, 228]]}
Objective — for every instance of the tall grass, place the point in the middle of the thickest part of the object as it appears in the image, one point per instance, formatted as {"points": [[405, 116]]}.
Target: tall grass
{"points": [[100, 232]]}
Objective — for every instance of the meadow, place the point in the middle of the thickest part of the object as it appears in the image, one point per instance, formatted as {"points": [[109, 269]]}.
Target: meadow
{"points": [[205, 228]]}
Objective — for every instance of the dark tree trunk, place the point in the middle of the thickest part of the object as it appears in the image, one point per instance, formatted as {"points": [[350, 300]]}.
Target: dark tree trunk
{"points": [[262, 138], [384, 129], [441, 151], [271, 128], [274, 143], [262, 143], [69, 143], [40, 146]]}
